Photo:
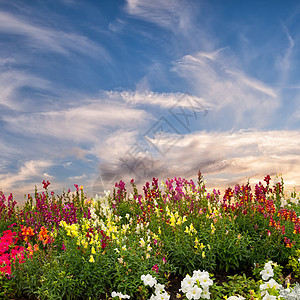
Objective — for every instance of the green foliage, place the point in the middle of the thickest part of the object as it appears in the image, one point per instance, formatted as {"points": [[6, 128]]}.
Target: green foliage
{"points": [[294, 263], [7, 288], [277, 270], [106, 244]]}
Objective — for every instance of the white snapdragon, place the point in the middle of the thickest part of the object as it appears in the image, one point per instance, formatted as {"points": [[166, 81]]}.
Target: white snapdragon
{"points": [[238, 297]]}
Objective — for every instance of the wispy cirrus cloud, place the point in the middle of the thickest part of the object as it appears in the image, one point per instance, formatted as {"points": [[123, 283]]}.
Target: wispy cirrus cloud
{"points": [[37, 35], [86, 122], [170, 14], [212, 75], [11, 83], [284, 60], [162, 100]]}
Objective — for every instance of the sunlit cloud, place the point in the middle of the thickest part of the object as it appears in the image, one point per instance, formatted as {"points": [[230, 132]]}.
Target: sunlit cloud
{"points": [[29, 170], [87, 122], [232, 156], [80, 98]]}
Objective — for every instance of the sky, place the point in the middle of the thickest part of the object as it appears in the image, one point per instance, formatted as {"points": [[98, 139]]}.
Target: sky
{"points": [[93, 92]]}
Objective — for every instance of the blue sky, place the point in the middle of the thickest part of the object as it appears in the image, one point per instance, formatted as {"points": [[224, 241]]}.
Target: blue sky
{"points": [[96, 91]]}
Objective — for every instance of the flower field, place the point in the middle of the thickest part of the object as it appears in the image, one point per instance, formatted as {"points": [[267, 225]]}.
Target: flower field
{"points": [[172, 240]]}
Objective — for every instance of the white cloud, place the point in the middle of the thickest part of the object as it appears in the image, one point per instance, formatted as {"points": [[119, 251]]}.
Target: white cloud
{"points": [[78, 178], [29, 170], [47, 39], [163, 100], [170, 14], [10, 84], [227, 156], [284, 61], [250, 102], [87, 122]]}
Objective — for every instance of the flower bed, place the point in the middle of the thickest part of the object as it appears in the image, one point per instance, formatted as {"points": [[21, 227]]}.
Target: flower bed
{"points": [[172, 241]]}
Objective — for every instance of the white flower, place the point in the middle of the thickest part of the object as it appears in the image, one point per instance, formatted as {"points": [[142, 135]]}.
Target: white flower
{"points": [[120, 295], [142, 242], [205, 293], [267, 272], [270, 284], [163, 296], [238, 297], [159, 288], [269, 297], [148, 280], [203, 278], [194, 293], [187, 283]]}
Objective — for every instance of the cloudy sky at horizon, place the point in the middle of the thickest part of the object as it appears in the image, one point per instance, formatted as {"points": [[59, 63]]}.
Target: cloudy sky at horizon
{"points": [[92, 92]]}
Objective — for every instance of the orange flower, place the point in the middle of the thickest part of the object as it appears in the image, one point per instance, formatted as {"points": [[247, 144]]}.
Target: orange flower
{"points": [[32, 249], [43, 235], [27, 232]]}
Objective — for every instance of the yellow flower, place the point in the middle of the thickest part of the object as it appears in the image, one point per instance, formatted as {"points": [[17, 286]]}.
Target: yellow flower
{"points": [[93, 250], [201, 246], [213, 228], [142, 242], [92, 259], [172, 220], [203, 254]]}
